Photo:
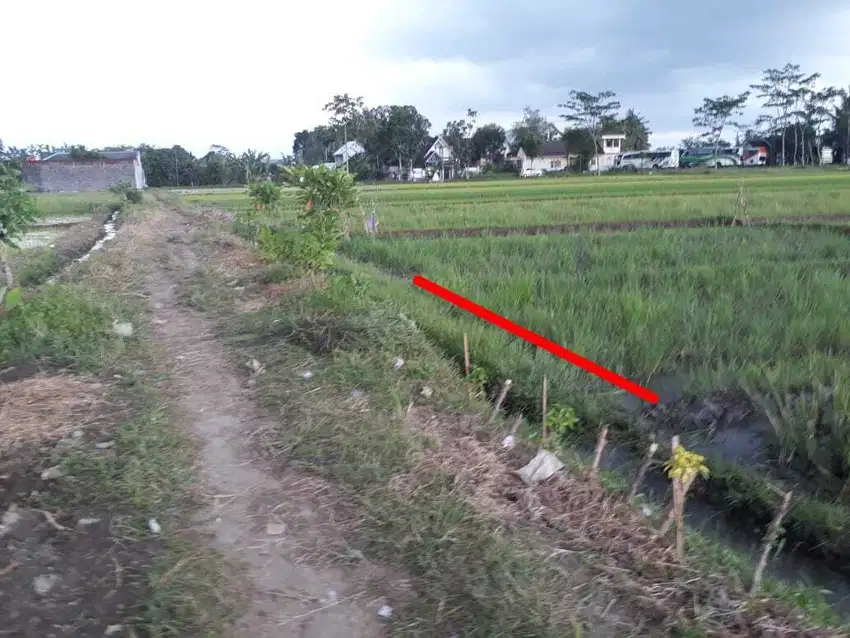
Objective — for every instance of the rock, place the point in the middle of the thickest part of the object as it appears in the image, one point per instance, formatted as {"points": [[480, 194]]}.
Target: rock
{"points": [[508, 442], [51, 473], [154, 526], [44, 583], [306, 375], [104, 445], [9, 520], [122, 329], [113, 629], [427, 392], [275, 529], [385, 611], [83, 523], [398, 363]]}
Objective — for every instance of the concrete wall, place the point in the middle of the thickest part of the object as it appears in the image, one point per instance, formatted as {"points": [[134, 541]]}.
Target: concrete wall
{"points": [[74, 176]]}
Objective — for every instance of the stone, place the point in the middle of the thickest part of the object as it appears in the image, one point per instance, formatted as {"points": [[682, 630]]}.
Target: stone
{"points": [[44, 583], [51, 473]]}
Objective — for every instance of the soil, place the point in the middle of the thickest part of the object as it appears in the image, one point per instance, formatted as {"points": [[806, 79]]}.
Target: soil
{"points": [[269, 521], [809, 221], [62, 573]]}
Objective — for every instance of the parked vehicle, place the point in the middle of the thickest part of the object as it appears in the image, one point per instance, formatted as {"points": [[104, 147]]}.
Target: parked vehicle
{"points": [[531, 172], [709, 157], [647, 160]]}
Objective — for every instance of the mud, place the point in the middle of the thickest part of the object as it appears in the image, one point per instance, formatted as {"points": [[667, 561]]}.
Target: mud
{"points": [[807, 221]]}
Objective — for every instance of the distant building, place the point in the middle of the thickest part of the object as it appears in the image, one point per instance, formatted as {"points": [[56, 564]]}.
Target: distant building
{"points": [[348, 151], [61, 173], [440, 158], [552, 156], [606, 157]]}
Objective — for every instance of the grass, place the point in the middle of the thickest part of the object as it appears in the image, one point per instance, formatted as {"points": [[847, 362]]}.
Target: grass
{"points": [[476, 576], [171, 585], [585, 199], [715, 310], [72, 204]]}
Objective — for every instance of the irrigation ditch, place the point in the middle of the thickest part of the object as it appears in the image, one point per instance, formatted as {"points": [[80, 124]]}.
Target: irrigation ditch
{"points": [[737, 503]]}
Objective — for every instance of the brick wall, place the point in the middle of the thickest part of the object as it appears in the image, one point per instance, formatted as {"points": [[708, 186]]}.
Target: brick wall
{"points": [[72, 177]]}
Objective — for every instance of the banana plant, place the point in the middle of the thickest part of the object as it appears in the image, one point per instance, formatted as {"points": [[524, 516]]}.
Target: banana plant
{"points": [[17, 215]]}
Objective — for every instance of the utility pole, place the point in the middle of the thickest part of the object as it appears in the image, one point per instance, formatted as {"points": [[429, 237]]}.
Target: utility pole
{"points": [[345, 146]]}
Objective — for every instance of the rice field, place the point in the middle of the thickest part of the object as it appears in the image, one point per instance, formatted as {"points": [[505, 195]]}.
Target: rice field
{"points": [[72, 204], [545, 201]]}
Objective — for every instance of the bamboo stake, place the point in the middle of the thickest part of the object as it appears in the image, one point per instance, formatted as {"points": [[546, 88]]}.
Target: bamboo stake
{"points": [[466, 365], [647, 460], [600, 446], [545, 408], [671, 512], [769, 541], [505, 387]]}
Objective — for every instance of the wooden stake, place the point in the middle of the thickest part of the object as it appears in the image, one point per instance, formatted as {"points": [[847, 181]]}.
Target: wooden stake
{"points": [[505, 387], [769, 541], [544, 408], [466, 365], [600, 446], [647, 460], [671, 511]]}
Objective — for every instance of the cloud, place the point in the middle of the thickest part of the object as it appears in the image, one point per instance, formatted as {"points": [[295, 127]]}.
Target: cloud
{"points": [[101, 72]]}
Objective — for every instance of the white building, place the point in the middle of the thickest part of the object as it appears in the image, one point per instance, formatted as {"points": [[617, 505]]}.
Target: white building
{"points": [[611, 146], [348, 151]]}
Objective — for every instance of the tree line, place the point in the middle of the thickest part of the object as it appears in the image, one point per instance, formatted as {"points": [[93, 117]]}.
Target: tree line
{"points": [[798, 120]]}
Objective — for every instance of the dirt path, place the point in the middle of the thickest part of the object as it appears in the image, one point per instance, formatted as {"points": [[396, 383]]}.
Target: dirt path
{"points": [[259, 520]]}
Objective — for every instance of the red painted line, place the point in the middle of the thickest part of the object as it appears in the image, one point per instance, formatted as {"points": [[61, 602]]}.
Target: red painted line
{"points": [[532, 337]]}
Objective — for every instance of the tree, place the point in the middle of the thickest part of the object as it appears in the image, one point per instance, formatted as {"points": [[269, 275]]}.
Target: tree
{"points": [[458, 133], [801, 94], [402, 132], [714, 115], [345, 111], [589, 112], [635, 128], [488, 143], [839, 136], [818, 112], [529, 133], [776, 89], [17, 214], [255, 164]]}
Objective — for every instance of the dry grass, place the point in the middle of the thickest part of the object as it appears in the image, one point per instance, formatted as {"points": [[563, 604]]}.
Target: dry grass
{"points": [[46, 408], [617, 541]]}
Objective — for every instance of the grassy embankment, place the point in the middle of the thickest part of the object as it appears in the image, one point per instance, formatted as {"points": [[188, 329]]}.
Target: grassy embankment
{"points": [[89, 404], [351, 333]]}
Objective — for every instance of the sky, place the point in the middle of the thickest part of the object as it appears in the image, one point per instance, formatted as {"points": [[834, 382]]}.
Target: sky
{"points": [[250, 74]]}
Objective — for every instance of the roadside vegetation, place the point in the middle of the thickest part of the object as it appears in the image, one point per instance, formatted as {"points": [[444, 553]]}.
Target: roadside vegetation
{"points": [[96, 478], [388, 416]]}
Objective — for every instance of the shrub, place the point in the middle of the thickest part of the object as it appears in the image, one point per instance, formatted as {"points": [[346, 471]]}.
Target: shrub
{"points": [[17, 214], [266, 195]]}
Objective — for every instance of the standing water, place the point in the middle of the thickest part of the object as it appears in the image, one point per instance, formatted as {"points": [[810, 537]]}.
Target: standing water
{"points": [[109, 232]]}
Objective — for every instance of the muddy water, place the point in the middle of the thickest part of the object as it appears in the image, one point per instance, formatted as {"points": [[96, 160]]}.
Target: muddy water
{"points": [[108, 233], [743, 438]]}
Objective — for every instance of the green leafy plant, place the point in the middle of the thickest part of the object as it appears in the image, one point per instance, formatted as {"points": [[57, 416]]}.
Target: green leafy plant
{"points": [[17, 215], [326, 197], [562, 421], [127, 192], [478, 377], [265, 195]]}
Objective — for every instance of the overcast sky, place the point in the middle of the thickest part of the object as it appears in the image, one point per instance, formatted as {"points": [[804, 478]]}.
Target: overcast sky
{"points": [[249, 74]]}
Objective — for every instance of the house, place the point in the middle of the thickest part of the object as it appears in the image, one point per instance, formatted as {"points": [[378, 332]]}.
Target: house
{"points": [[347, 151], [552, 156], [63, 173], [610, 146], [440, 158]]}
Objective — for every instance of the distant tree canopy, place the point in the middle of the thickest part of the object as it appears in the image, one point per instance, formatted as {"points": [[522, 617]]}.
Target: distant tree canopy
{"points": [[799, 120]]}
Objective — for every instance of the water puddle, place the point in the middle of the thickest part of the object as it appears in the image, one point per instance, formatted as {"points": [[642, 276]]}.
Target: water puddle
{"points": [[110, 230]]}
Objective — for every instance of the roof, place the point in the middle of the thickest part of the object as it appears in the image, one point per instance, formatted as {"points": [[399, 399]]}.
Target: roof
{"points": [[350, 149], [65, 156], [440, 140], [552, 148]]}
